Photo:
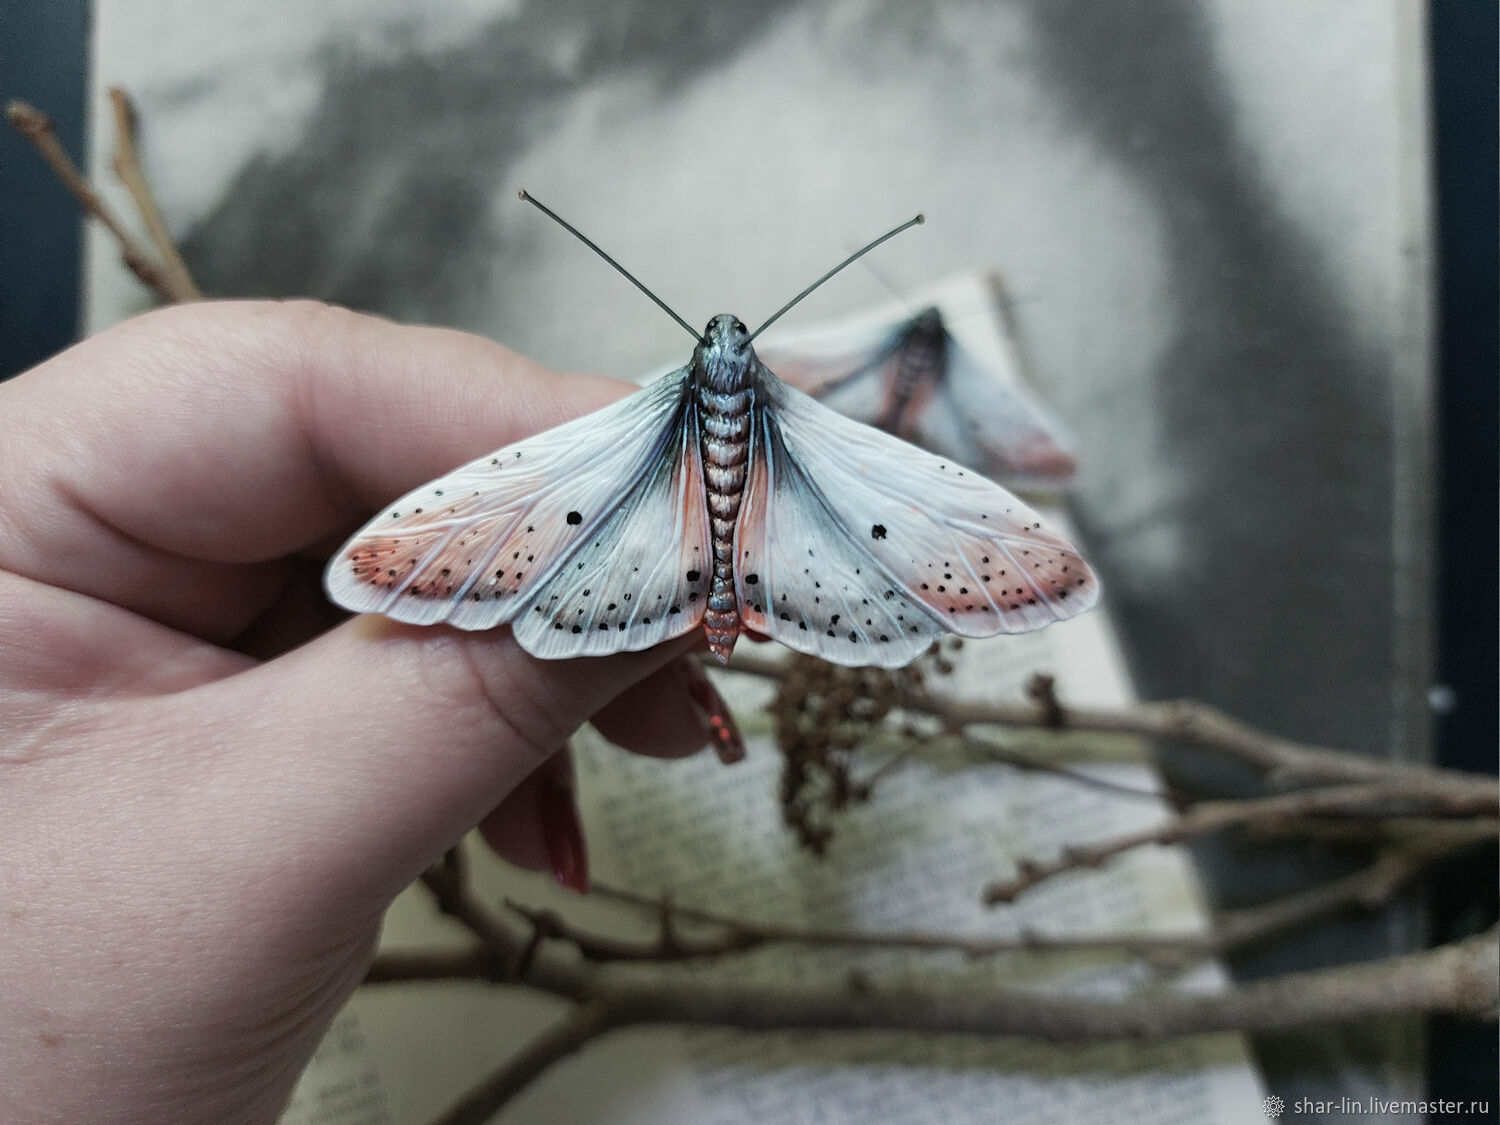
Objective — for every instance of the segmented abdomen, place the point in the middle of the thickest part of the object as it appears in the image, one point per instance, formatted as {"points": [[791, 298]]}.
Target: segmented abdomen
{"points": [[724, 440]]}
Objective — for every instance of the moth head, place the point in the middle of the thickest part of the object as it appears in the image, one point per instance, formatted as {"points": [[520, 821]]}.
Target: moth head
{"points": [[726, 332]]}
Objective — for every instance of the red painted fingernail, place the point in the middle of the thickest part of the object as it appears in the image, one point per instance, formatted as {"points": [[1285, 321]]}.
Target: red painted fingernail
{"points": [[724, 736], [562, 834]]}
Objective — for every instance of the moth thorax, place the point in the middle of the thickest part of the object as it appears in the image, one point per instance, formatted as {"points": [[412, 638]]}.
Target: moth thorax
{"points": [[721, 370]]}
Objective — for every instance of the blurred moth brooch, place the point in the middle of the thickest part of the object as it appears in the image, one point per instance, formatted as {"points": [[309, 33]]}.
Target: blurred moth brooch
{"points": [[916, 380]]}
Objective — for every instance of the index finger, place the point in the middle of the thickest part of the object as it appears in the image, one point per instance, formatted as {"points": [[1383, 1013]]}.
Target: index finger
{"points": [[145, 459]]}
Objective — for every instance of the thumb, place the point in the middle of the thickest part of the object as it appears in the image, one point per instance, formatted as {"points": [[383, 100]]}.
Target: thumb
{"points": [[388, 742]]}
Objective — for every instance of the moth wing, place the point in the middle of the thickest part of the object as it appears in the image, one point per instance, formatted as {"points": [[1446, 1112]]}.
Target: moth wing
{"points": [[843, 506], [476, 547], [998, 426], [847, 370], [802, 579], [642, 578]]}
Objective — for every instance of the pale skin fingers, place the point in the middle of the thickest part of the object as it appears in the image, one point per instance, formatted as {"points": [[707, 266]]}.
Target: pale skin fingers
{"points": [[176, 811]]}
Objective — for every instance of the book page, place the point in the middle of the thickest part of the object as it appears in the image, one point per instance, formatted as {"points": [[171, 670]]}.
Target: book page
{"points": [[915, 856]]}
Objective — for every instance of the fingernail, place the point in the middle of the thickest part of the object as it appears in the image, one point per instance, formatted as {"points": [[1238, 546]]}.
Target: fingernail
{"points": [[723, 735], [562, 834]]}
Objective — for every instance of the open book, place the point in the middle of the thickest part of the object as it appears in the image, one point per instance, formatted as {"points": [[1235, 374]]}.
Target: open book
{"points": [[915, 856]]}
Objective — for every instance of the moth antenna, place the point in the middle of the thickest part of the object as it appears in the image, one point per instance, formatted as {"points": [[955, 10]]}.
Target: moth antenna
{"points": [[916, 220], [583, 238]]}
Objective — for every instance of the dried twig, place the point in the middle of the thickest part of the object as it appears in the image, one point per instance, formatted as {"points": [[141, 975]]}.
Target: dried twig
{"points": [[504, 949], [38, 128], [985, 751], [1205, 817], [1367, 888], [823, 717], [585, 1023], [126, 163], [1282, 761], [1462, 978], [1042, 690]]}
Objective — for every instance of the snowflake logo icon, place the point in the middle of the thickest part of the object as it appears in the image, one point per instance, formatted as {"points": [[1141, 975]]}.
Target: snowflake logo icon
{"points": [[1273, 1106]]}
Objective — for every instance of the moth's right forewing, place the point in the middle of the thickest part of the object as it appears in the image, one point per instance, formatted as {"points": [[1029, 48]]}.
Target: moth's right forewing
{"points": [[472, 548], [967, 551], [803, 577]]}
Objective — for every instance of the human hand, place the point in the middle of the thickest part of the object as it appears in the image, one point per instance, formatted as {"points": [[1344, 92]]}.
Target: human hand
{"points": [[211, 785]]}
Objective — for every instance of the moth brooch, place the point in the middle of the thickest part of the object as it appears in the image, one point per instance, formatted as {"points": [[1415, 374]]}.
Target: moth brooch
{"points": [[721, 498]]}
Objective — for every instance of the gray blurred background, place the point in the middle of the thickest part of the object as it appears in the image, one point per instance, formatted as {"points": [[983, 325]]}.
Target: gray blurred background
{"points": [[1213, 217]]}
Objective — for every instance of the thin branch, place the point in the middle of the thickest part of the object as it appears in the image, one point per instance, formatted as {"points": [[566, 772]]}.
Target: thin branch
{"points": [[582, 1025], [127, 166], [1282, 761], [667, 945], [448, 884], [865, 786], [985, 751], [38, 128], [739, 936], [1041, 689], [410, 966], [1205, 817], [1462, 979], [1367, 888]]}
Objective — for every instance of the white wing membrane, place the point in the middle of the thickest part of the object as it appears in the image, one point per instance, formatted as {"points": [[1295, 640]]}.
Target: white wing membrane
{"points": [[878, 522], [641, 579], [491, 541], [805, 581]]}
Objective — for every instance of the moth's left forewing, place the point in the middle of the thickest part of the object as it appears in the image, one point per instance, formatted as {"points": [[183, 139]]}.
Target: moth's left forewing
{"points": [[642, 577], [970, 552], [476, 547]]}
